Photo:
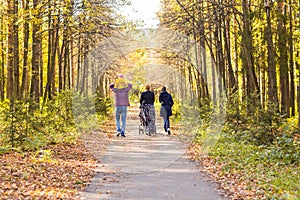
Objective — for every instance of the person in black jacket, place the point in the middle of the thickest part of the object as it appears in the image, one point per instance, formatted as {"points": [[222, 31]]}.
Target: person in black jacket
{"points": [[147, 106], [166, 101], [147, 97]]}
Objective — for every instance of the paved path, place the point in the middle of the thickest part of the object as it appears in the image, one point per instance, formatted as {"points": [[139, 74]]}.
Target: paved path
{"points": [[141, 167]]}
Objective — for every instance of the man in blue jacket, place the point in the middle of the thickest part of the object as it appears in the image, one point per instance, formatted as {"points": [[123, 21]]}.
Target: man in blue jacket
{"points": [[166, 101]]}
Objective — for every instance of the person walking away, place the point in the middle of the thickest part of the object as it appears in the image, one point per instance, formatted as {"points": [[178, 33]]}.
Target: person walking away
{"points": [[121, 90], [167, 102], [147, 99]]}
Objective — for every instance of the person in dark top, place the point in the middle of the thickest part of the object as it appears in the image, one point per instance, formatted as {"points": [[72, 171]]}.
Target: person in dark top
{"points": [[167, 102], [147, 97], [147, 107]]}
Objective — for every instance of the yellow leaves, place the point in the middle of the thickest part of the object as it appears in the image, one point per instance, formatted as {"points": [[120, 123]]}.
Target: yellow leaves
{"points": [[57, 173], [236, 183], [51, 193]]}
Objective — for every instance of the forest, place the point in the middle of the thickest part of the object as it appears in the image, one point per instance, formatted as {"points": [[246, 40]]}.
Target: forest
{"points": [[249, 51]]}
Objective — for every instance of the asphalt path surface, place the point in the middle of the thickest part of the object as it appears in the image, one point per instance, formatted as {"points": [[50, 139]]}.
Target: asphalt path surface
{"points": [[142, 167]]}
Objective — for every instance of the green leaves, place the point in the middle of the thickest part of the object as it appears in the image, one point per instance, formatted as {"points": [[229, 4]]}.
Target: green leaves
{"points": [[248, 171], [27, 129], [255, 157]]}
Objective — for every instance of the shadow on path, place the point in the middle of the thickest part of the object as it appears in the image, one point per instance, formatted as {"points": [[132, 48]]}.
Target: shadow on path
{"points": [[148, 168]]}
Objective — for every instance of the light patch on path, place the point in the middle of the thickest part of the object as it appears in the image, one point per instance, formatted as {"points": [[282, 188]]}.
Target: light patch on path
{"points": [[141, 167]]}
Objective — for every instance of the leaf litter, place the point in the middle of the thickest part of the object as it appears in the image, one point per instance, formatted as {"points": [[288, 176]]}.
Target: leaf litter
{"points": [[60, 171]]}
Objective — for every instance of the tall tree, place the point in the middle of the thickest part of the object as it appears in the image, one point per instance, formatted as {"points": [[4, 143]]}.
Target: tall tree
{"points": [[291, 61], [252, 88], [2, 57], [225, 17], [298, 88], [25, 82], [53, 40], [36, 62], [283, 57], [272, 78], [10, 50], [16, 69]]}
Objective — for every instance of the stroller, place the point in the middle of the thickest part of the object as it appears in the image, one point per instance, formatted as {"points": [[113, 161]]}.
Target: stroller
{"points": [[147, 120]]}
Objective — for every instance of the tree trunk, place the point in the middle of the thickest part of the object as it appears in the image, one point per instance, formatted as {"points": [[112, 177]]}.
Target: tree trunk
{"points": [[2, 79], [16, 70], [85, 80], [202, 54], [10, 51], [72, 62], [60, 66], [219, 57], [78, 64], [48, 93], [85, 70], [252, 88], [272, 77], [55, 50], [220, 53], [236, 64], [66, 74], [41, 69], [283, 59], [291, 62], [298, 88], [232, 87], [36, 43], [24, 83], [100, 86]]}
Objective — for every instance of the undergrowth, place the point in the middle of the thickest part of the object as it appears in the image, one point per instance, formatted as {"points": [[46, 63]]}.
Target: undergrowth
{"points": [[259, 154], [23, 128]]}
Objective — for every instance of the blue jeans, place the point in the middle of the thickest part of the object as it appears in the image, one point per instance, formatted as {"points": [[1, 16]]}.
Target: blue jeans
{"points": [[166, 122], [121, 112]]}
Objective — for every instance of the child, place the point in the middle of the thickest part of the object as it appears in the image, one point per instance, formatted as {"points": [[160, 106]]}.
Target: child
{"points": [[120, 83]]}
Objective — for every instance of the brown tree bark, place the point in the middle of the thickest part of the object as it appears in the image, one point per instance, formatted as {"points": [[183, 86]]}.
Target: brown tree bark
{"points": [[41, 69], [252, 88], [55, 48], [24, 82], [283, 58], [2, 76], [50, 64], [60, 66], [78, 64], [291, 61], [66, 69], [298, 87], [10, 51], [220, 53], [36, 43], [272, 77], [85, 80], [53, 40], [232, 87], [16, 60], [72, 49]]}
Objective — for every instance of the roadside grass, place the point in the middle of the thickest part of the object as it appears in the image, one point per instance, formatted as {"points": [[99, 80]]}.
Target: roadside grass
{"points": [[42, 154], [262, 177], [252, 156], [248, 171]]}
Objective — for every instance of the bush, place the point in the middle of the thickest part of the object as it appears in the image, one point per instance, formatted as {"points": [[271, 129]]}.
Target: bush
{"points": [[27, 128], [260, 151], [103, 106]]}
